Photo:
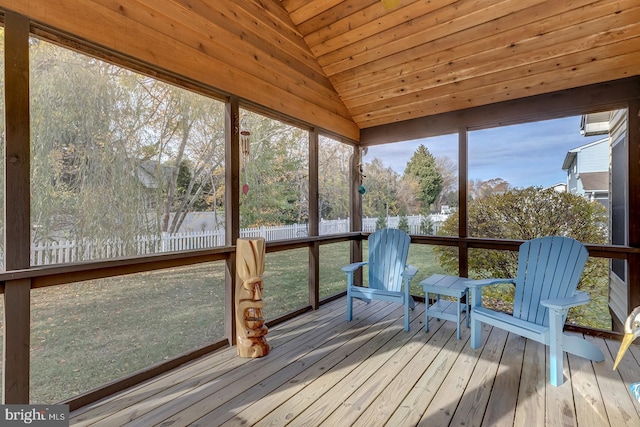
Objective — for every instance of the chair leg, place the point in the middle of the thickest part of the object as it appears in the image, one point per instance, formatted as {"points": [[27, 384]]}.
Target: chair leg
{"points": [[349, 297], [406, 315], [408, 303], [556, 357], [476, 333], [476, 325]]}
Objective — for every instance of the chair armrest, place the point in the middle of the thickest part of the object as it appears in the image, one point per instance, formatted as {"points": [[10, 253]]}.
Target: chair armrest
{"points": [[580, 298], [353, 267], [486, 282], [409, 272]]}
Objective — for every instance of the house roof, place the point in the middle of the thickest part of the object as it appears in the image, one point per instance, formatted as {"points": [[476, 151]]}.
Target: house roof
{"points": [[595, 181], [595, 123], [572, 154]]}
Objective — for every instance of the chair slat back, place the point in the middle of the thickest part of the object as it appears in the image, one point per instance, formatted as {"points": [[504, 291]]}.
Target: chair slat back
{"points": [[388, 252], [548, 268]]}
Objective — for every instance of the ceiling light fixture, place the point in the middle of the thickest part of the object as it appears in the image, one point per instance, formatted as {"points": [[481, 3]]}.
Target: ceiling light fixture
{"points": [[390, 4]]}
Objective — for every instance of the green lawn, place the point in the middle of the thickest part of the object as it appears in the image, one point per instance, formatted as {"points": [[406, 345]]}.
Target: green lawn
{"points": [[89, 333]]}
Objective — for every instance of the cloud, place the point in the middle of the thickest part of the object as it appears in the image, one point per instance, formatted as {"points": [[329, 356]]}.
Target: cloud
{"points": [[524, 155]]}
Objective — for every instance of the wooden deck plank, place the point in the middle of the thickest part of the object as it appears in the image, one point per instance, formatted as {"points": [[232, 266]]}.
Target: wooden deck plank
{"points": [[388, 400], [98, 410], [107, 407], [445, 403], [629, 369], [348, 342], [325, 383], [313, 383], [417, 401], [502, 403], [321, 408], [559, 407], [207, 396], [319, 387], [473, 402], [167, 393], [531, 396], [590, 410], [326, 371], [395, 378], [616, 397]]}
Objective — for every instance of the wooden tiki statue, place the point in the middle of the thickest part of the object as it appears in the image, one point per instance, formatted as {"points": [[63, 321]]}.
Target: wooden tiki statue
{"points": [[250, 327]]}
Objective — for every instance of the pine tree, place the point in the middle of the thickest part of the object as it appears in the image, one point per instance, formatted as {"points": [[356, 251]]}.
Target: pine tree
{"points": [[422, 167]]}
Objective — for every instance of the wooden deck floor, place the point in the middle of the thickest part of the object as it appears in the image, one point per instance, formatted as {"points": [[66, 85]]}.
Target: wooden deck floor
{"points": [[325, 371]]}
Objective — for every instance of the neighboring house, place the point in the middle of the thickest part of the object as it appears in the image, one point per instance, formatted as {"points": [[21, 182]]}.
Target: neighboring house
{"points": [[599, 171], [587, 169], [560, 187], [148, 171]]}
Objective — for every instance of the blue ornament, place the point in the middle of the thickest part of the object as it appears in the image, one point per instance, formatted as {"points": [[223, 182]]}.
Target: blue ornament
{"points": [[362, 189]]}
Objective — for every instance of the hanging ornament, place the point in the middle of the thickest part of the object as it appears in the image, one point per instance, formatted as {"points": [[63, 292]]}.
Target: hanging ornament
{"points": [[362, 189], [245, 189], [244, 146]]}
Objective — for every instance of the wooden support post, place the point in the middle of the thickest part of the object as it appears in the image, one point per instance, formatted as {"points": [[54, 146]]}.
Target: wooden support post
{"points": [[17, 219], [232, 209], [633, 262], [16, 342], [314, 220], [356, 210], [463, 173]]}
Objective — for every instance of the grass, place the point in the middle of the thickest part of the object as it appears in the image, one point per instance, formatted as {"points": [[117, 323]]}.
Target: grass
{"points": [[89, 333]]}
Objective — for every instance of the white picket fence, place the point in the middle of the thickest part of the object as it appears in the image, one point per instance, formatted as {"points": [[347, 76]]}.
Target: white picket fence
{"points": [[369, 224], [67, 251]]}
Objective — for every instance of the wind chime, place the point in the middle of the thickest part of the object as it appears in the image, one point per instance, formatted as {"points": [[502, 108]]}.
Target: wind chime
{"points": [[244, 147]]}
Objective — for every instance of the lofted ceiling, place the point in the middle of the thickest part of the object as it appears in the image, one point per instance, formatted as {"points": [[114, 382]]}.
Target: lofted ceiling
{"points": [[348, 65], [426, 57]]}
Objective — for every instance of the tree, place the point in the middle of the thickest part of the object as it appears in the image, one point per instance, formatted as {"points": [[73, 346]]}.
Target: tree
{"points": [[381, 222], [81, 165], [422, 166], [382, 189], [478, 189], [404, 223], [448, 169], [276, 173], [334, 160], [524, 214], [123, 156]]}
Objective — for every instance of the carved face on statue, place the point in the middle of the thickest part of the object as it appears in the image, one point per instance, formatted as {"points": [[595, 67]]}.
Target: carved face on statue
{"points": [[250, 327], [251, 330]]}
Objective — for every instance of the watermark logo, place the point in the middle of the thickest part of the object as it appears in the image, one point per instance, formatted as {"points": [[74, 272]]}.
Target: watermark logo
{"points": [[34, 415]]}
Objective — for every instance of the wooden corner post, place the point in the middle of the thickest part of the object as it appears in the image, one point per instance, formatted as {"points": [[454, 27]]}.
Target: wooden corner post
{"points": [[17, 232]]}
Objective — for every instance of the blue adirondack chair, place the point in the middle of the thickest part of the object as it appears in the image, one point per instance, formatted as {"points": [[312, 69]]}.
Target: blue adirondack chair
{"points": [[388, 272], [549, 269]]}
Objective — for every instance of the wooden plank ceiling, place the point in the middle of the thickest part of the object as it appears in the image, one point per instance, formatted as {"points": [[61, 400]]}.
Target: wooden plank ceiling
{"points": [[428, 57], [348, 65]]}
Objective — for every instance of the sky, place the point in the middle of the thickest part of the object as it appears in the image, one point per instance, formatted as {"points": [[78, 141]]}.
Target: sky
{"points": [[523, 155]]}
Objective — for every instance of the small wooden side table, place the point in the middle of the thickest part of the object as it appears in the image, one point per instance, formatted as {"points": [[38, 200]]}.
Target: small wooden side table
{"points": [[451, 286]]}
